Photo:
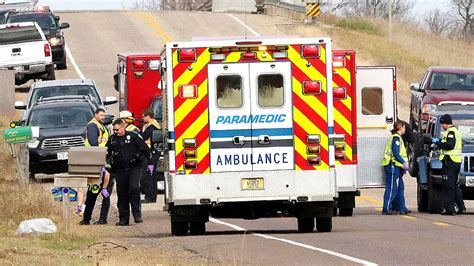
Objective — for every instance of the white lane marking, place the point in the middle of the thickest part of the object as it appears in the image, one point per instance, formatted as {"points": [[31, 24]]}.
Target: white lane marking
{"points": [[73, 61], [243, 24], [294, 243]]}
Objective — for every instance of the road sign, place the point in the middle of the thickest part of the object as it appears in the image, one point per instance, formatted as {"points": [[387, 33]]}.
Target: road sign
{"points": [[312, 10], [18, 135]]}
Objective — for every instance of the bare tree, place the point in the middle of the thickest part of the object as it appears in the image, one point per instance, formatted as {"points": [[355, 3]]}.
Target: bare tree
{"points": [[465, 11], [438, 22], [377, 8], [202, 5]]}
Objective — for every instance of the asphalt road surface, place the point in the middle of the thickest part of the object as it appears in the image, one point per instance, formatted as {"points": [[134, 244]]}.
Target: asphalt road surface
{"points": [[94, 40]]}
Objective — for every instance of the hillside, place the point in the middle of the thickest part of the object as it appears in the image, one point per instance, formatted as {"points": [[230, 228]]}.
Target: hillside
{"points": [[411, 49]]}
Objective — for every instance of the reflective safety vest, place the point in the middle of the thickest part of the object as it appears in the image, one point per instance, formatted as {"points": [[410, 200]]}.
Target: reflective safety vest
{"points": [[388, 155], [456, 153], [103, 134], [132, 128], [153, 122]]}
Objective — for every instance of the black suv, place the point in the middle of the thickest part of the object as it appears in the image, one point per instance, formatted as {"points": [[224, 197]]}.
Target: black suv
{"points": [[429, 177], [51, 27], [62, 122]]}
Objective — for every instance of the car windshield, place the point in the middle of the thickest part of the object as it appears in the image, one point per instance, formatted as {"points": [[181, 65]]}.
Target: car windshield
{"points": [[60, 117], [65, 90], [44, 20], [157, 107], [452, 81]]}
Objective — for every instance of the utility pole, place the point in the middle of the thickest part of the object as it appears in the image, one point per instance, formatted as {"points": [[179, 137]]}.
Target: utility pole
{"points": [[390, 20]]}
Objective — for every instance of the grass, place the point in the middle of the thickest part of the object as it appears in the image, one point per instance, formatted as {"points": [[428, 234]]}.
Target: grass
{"points": [[411, 49]]}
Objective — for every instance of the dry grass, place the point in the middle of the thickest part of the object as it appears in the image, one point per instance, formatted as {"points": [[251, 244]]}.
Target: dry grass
{"points": [[411, 50]]}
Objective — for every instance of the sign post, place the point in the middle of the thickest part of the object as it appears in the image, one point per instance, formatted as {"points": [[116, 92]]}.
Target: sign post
{"points": [[17, 138]]}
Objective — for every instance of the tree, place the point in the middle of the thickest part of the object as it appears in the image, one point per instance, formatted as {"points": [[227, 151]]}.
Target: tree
{"points": [[201, 5], [465, 11], [437, 22], [376, 8]]}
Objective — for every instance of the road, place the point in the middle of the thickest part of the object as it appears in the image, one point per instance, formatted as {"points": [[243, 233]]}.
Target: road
{"points": [[95, 38]]}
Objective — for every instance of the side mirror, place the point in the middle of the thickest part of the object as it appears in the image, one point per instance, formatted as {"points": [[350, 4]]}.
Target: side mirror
{"points": [[116, 82], [415, 87], [110, 100], [20, 105], [64, 25], [57, 18], [108, 119], [427, 139], [157, 136]]}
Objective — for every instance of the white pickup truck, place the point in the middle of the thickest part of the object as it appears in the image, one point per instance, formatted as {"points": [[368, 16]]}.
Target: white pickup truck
{"points": [[25, 49]]}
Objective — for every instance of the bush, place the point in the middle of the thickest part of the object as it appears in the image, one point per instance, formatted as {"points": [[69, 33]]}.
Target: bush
{"points": [[359, 24]]}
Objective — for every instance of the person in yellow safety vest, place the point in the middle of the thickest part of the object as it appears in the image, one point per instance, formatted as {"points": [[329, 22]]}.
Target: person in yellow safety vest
{"points": [[395, 164], [149, 181], [127, 117], [96, 132], [451, 157]]}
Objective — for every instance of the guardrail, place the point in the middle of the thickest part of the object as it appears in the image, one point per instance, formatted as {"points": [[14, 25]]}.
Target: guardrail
{"points": [[286, 5]]}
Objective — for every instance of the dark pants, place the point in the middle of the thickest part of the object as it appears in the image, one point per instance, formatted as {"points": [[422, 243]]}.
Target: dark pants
{"points": [[451, 192], [150, 185], [394, 196], [128, 193], [91, 199]]}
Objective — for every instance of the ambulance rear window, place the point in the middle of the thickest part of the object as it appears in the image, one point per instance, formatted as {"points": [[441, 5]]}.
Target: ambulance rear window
{"points": [[372, 101], [270, 90], [229, 91]]}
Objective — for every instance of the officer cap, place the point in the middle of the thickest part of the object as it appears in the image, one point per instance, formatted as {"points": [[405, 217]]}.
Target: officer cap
{"points": [[126, 114], [446, 119]]}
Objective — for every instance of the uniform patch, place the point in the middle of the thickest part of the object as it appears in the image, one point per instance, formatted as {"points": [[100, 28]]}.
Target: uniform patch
{"points": [[450, 136], [397, 142]]}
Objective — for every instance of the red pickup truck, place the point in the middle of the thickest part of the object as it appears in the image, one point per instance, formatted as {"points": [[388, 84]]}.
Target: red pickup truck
{"points": [[439, 86]]}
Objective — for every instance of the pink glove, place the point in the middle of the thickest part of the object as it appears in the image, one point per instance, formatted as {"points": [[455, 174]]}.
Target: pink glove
{"points": [[405, 166], [78, 209], [150, 168], [105, 193]]}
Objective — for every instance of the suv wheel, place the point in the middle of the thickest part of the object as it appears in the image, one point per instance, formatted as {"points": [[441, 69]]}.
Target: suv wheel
{"points": [[305, 225], [433, 195], [62, 65], [414, 151], [421, 198]]}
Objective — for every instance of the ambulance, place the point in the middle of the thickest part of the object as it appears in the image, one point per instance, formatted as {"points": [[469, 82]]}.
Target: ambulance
{"points": [[268, 127], [137, 81]]}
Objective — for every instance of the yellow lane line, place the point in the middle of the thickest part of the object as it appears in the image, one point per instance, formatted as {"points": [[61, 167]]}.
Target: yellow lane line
{"points": [[371, 200], [154, 25], [409, 217], [440, 224]]}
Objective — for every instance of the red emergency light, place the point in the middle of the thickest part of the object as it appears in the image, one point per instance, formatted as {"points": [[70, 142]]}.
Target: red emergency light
{"points": [[248, 43], [249, 56], [311, 87], [187, 55], [314, 160], [339, 61], [47, 50], [188, 91], [310, 51], [339, 93], [189, 165], [138, 65], [340, 155]]}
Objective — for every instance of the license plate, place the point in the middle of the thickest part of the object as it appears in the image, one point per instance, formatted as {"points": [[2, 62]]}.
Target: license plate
{"points": [[252, 183], [62, 155]]}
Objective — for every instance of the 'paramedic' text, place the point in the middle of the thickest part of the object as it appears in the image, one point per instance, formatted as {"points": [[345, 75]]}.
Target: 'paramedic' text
{"points": [[239, 119]]}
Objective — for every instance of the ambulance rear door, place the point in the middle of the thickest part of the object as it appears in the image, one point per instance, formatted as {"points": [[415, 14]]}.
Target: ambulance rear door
{"points": [[376, 95]]}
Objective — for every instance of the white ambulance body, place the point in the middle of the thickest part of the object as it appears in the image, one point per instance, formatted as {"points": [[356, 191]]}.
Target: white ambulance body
{"points": [[250, 133]]}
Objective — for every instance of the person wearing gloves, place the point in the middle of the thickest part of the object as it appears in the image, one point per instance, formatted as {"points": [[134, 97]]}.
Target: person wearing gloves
{"points": [[127, 154], [451, 157], [127, 117], [150, 178], [93, 190], [395, 164]]}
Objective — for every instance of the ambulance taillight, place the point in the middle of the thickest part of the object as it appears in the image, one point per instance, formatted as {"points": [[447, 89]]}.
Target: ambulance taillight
{"points": [[138, 65], [314, 160], [249, 56], [190, 165], [311, 87], [340, 147], [187, 55], [310, 51], [339, 61], [313, 149], [188, 91], [339, 93]]}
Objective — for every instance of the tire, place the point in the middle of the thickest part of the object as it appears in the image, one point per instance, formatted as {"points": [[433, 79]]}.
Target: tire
{"points": [[346, 212], [421, 199], [305, 225], [197, 228], [433, 196], [179, 228], [32, 177], [414, 151], [62, 65], [50, 75], [324, 224]]}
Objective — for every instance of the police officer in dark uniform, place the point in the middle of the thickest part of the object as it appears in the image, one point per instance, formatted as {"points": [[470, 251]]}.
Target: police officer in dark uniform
{"points": [[127, 153], [451, 157]]}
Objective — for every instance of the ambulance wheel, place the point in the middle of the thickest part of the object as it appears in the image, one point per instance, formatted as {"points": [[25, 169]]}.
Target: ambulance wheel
{"points": [[421, 199], [179, 228], [346, 211], [324, 224], [305, 225], [434, 196], [197, 228]]}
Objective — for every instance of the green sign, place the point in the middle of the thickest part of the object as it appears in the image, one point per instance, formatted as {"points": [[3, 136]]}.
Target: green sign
{"points": [[18, 135]]}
